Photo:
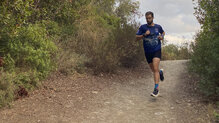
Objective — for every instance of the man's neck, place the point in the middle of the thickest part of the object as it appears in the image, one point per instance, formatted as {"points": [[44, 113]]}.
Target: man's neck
{"points": [[151, 24]]}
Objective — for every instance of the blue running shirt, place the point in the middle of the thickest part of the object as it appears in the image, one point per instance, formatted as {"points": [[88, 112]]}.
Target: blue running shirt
{"points": [[151, 42]]}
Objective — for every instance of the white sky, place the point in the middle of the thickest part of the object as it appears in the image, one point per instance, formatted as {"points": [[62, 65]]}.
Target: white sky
{"points": [[175, 16]]}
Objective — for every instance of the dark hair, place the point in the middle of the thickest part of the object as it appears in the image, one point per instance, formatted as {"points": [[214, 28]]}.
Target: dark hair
{"points": [[149, 13]]}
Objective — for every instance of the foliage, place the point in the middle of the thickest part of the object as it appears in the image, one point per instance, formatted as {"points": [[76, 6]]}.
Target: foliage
{"points": [[173, 52], [40, 36], [6, 89], [205, 59]]}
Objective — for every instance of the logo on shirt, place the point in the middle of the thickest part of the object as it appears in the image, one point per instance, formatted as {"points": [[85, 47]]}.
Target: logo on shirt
{"points": [[156, 30]]}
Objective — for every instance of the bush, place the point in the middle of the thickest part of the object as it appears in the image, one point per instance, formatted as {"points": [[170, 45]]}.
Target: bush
{"points": [[99, 48], [70, 62], [37, 37], [28, 60], [130, 51], [205, 62], [10, 82], [170, 52], [205, 59], [30, 48], [173, 52], [6, 89]]}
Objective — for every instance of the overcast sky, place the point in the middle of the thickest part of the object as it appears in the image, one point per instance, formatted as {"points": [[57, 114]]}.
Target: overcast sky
{"points": [[175, 16]]}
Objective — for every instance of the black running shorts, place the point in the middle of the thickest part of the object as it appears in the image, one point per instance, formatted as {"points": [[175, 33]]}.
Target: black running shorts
{"points": [[150, 56]]}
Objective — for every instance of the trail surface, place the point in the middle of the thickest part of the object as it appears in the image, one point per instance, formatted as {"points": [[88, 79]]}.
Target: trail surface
{"points": [[118, 98]]}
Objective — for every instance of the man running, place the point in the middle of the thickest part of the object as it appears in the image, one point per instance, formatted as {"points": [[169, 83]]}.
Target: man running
{"points": [[152, 34]]}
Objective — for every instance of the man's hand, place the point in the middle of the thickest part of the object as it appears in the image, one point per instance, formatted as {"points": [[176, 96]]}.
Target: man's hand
{"points": [[160, 37], [147, 32]]}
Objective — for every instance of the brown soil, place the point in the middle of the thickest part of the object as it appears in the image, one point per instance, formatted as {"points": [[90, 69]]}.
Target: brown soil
{"points": [[116, 98]]}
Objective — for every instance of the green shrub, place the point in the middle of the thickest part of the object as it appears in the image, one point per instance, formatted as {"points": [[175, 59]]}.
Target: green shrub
{"points": [[28, 80], [205, 59], [205, 62], [173, 52], [130, 51], [10, 82], [99, 48], [31, 48], [6, 88], [38, 36], [70, 62]]}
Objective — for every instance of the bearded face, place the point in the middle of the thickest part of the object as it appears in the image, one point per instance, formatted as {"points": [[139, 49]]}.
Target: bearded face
{"points": [[149, 19]]}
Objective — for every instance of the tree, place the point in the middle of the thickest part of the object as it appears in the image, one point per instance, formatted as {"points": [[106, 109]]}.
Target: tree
{"points": [[205, 57]]}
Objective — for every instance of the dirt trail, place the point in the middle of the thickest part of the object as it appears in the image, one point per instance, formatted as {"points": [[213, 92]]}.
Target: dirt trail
{"points": [[121, 98]]}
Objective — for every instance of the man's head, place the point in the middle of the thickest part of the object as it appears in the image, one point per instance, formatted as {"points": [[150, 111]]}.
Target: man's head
{"points": [[149, 17]]}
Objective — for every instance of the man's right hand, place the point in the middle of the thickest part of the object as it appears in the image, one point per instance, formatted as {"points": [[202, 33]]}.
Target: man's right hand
{"points": [[147, 32]]}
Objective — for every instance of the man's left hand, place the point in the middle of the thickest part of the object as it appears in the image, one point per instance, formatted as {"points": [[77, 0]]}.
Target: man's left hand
{"points": [[160, 37]]}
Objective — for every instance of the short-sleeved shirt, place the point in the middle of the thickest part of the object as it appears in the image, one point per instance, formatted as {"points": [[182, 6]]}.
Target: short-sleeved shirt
{"points": [[151, 42]]}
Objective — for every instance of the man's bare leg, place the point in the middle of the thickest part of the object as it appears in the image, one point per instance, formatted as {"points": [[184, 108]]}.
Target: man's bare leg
{"points": [[156, 62], [155, 69], [152, 67]]}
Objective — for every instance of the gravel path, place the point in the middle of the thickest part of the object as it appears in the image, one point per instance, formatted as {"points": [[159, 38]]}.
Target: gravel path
{"points": [[117, 98]]}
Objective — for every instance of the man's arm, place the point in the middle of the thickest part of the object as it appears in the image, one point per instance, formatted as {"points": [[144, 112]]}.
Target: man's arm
{"points": [[161, 37], [139, 37]]}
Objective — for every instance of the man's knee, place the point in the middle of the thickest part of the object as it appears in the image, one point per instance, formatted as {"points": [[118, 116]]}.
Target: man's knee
{"points": [[156, 70]]}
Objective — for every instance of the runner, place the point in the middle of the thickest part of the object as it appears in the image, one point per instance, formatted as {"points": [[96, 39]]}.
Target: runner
{"points": [[152, 34]]}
